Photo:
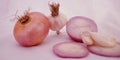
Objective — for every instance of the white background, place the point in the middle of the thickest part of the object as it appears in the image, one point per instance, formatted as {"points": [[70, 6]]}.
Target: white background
{"points": [[106, 13]]}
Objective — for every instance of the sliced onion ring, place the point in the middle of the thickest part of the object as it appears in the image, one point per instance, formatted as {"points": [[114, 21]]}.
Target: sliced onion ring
{"points": [[78, 24], [70, 50], [103, 51]]}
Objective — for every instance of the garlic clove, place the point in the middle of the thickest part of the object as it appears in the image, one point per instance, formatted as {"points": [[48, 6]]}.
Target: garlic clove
{"points": [[102, 39], [86, 38]]}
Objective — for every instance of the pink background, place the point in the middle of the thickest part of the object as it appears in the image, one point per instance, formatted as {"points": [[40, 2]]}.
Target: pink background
{"points": [[106, 13]]}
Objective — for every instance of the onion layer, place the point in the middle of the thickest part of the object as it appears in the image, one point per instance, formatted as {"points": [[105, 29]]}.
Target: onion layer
{"points": [[77, 25], [104, 51], [70, 50]]}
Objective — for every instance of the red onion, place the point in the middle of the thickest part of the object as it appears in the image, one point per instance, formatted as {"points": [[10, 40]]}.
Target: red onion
{"points": [[31, 29]]}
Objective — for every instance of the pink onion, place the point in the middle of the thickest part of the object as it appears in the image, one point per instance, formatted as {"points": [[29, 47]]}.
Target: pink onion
{"points": [[31, 29]]}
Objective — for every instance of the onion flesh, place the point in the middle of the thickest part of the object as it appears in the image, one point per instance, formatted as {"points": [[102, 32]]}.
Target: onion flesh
{"points": [[77, 25], [70, 50], [105, 51]]}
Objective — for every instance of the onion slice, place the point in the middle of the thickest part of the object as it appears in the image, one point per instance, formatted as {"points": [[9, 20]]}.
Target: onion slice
{"points": [[105, 51], [70, 50], [77, 25]]}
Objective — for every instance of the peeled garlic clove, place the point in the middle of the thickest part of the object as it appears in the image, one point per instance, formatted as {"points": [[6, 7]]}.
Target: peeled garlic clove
{"points": [[103, 40], [86, 38]]}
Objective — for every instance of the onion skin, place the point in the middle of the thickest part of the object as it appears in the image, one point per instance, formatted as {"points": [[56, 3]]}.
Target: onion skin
{"points": [[78, 24], [34, 31]]}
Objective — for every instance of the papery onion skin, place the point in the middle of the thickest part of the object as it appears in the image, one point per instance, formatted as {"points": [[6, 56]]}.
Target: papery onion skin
{"points": [[78, 24], [32, 32]]}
